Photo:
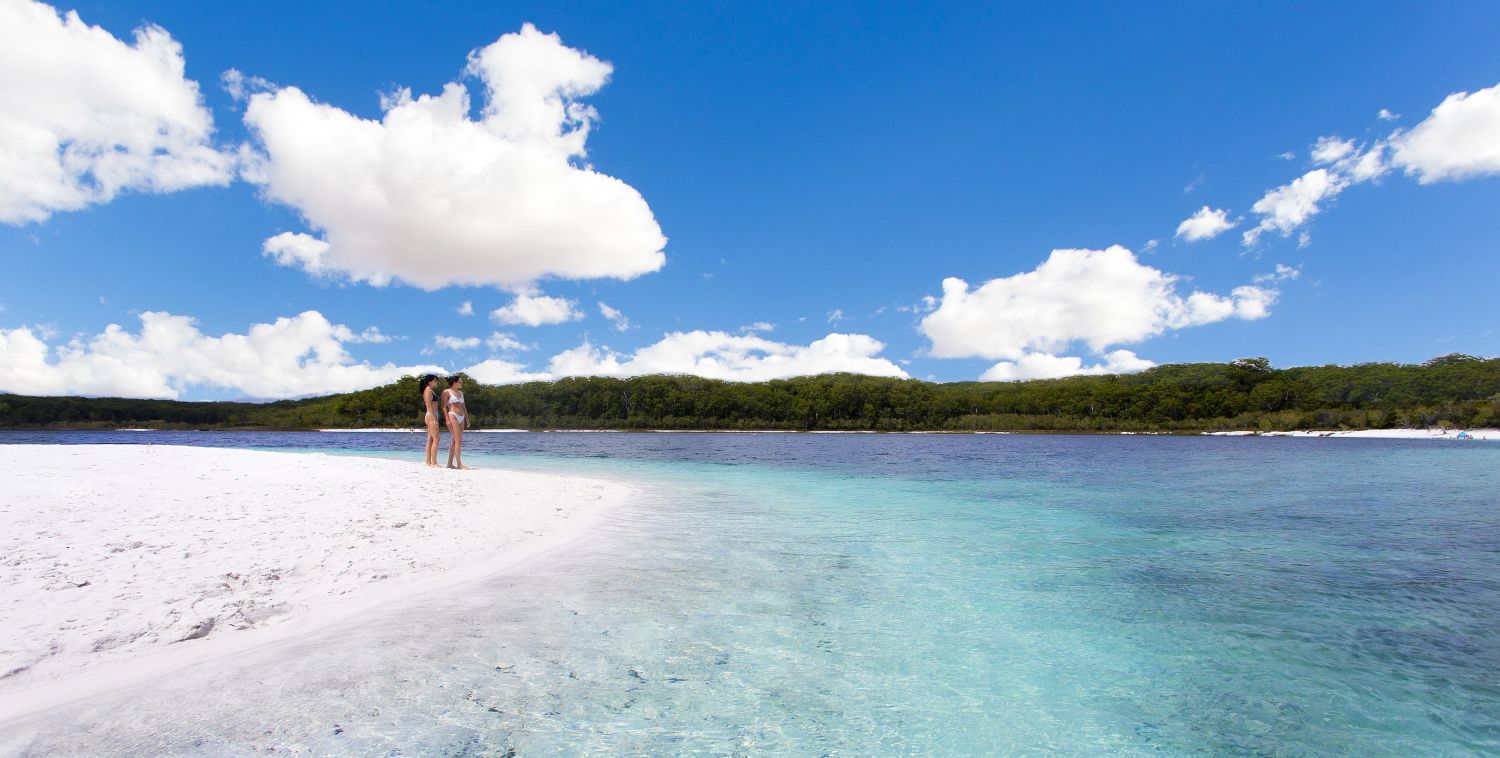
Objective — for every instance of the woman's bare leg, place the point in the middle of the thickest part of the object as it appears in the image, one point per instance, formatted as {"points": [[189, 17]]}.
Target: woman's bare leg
{"points": [[455, 436], [432, 443]]}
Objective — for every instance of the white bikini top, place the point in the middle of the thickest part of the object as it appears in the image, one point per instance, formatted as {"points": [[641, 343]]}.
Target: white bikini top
{"points": [[455, 397]]}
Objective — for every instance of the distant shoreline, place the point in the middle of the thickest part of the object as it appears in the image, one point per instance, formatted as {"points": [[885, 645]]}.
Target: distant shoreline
{"points": [[1453, 391], [1433, 434], [1389, 434]]}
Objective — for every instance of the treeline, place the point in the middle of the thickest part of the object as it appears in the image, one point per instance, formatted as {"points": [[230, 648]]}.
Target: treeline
{"points": [[1454, 390]]}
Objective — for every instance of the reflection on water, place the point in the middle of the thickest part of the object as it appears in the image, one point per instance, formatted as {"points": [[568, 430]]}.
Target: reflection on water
{"points": [[799, 595]]}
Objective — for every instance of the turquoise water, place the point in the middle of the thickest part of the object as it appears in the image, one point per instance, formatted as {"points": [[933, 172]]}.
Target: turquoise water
{"points": [[906, 595]]}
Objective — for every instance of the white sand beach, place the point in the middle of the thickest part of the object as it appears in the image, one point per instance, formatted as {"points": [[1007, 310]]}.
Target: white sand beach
{"points": [[123, 562], [1391, 434]]}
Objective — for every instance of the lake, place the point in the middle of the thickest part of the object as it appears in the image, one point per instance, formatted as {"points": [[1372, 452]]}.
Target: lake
{"points": [[812, 594]]}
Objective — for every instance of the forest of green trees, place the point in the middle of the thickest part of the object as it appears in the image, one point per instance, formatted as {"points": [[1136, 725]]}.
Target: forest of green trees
{"points": [[1248, 394]]}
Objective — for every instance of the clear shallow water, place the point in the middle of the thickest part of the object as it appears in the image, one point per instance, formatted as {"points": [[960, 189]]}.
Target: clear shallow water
{"points": [[919, 595]]}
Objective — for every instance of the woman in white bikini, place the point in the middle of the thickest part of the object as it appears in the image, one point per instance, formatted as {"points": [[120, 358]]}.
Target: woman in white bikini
{"points": [[458, 419], [431, 413]]}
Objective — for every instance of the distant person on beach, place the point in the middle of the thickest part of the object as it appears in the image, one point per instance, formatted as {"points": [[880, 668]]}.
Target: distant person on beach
{"points": [[458, 419], [430, 416]]}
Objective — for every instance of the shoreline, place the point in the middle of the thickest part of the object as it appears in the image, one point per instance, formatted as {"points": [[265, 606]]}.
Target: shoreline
{"points": [[380, 430], [1451, 434], [127, 590], [1470, 434], [1401, 433]]}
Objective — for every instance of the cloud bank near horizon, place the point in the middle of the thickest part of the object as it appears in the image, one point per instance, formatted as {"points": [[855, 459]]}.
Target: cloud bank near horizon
{"points": [[1099, 299], [308, 354], [293, 356]]}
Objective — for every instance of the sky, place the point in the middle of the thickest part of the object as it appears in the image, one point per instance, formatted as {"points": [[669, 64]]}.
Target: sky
{"points": [[287, 199]]}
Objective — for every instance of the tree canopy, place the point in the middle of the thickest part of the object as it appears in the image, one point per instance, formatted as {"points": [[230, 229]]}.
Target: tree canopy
{"points": [[1453, 390]]}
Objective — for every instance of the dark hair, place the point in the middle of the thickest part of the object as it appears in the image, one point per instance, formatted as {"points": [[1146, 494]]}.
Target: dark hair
{"points": [[423, 382], [452, 380]]}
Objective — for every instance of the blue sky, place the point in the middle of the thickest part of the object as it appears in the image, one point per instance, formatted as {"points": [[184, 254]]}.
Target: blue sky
{"points": [[809, 160]]}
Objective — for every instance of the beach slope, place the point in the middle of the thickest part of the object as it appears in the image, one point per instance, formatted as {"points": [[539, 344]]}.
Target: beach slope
{"points": [[123, 562]]}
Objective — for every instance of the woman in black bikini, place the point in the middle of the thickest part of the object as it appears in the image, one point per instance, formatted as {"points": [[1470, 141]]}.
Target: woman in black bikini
{"points": [[430, 416]]}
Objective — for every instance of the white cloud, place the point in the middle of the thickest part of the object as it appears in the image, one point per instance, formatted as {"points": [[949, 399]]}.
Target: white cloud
{"points": [[740, 358], [1289, 206], [1459, 140], [1370, 164], [836, 315], [1386, 115], [1099, 298], [927, 304], [1283, 273], [710, 354], [372, 335], [501, 371], [238, 86], [466, 309], [617, 320], [1048, 366], [1329, 150], [297, 250], [445, 342], [500, 341], [536, 309], [1253, 302], [1207, 223], [759, 326], [86, 116], [291, 357], [432, 197]]}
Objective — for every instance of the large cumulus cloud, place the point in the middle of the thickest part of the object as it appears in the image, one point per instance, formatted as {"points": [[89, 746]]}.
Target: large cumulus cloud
{"points": [[1095, 298], [85, 116], [434, 197]]}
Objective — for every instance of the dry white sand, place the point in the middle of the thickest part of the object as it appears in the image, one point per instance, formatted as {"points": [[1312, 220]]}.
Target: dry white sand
{"points": [[123, 562], [1393, 434]]}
